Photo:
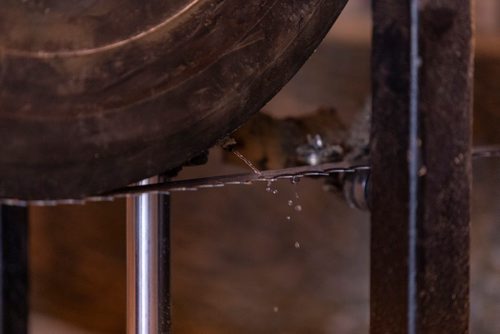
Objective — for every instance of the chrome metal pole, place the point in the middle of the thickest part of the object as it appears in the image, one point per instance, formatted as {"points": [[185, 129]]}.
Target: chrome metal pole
{"points": [[148, 263]]}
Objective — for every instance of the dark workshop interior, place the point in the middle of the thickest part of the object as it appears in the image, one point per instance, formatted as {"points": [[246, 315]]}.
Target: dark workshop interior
{"points": [[301, 257]]}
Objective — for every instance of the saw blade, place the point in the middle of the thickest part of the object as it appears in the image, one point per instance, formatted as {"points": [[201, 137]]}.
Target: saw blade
{"points": [[270, 175], [492, 151], [293, 173]]}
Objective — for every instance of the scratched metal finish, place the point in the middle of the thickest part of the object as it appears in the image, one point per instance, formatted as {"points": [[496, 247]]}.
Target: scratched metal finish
{"points": [[96, 95]]}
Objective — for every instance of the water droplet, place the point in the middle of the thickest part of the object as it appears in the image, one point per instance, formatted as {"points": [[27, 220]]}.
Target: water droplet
{"points": [[459, 158], [295, 180], [297, 245], [268, 189], [290, 202], [275, 309], [288, 218], [298, 208], [422, 171], [275, 191], [296, 195]]}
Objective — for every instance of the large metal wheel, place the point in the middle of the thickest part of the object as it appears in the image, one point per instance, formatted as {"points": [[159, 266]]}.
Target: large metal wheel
{"points": [[98, 94]]}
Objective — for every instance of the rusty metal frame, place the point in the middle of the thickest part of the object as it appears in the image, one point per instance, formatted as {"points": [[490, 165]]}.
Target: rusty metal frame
{"points": [[421, 166]]}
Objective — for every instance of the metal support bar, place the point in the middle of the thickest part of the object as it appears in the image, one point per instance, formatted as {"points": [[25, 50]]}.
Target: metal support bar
{"points": [[14, 269], [421, 166], [148, 263]]}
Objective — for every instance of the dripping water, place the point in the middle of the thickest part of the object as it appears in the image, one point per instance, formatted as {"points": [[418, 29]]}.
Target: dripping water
{"points": [[268, 186], [270, 189], [247, 162], [294, 181]]}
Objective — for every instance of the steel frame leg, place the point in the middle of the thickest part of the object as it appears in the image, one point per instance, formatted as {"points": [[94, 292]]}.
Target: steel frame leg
{"points": [[14, 307], [421, 166], [148, 263]]}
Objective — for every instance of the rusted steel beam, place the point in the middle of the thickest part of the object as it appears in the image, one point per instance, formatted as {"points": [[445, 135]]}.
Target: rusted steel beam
{"points": [[421, 173], [13, 269]]}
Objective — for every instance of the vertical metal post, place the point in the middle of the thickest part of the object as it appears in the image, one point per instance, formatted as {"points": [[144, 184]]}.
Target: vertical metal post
{"points": [[148, 263], [421, 173], [13, 269]]}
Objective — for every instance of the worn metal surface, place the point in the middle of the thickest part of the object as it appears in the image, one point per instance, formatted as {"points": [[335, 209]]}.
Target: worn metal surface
{"points": [[420, 230], [13, 270], [99, 94], [148, 263]]}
